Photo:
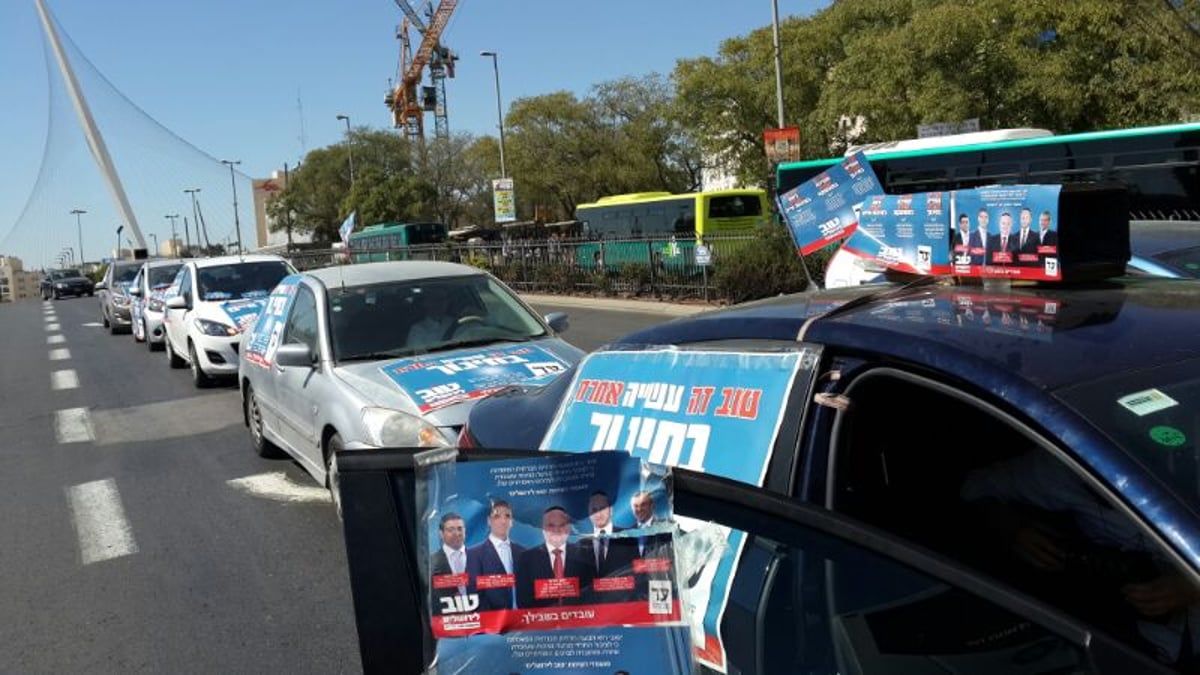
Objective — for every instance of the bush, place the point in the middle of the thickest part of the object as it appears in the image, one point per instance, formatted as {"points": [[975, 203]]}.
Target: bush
{"points": [[633, 277], [558, 278], [765, 267]]}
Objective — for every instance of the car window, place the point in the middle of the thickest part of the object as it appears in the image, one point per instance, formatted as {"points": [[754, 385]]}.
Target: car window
{"points": [[185, 283], [988, 494], [302, 321], [161, 276], [125, 273], [239, 280]]}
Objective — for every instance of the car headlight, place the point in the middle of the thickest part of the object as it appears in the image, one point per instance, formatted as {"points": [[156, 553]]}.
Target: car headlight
{"points": [[392, 428], [215, 328], [155, 305], [121, 300], [60, 285]]}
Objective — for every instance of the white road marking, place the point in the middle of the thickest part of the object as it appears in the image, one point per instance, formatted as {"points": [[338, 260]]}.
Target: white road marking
{"points": [[73, 425], [100, 522], [60, 354], [93, 324], [55, 339], [51, 327], [279, 487], [64, 379]]}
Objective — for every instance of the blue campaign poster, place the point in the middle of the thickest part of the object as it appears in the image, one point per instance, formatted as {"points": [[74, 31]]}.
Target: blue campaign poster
{"points": [[716, 412], [268, 329], [824, 209], [908, 233], [435, 382], [1013, 232], [243, 313], [596, 651]]}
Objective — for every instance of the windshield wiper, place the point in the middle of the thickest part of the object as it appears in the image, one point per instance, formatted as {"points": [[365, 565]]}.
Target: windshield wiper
{"points": [[379, 356], [478, 342]]}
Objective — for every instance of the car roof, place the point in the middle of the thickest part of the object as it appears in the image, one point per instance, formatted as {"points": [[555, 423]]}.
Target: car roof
{"points": [[1088, 334], [379, 272], [165, 262], [231, 259]]}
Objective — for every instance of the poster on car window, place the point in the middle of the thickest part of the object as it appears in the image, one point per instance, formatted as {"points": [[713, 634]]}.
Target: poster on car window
{"points": [[907, 233], [569, 558], [1008, 231], [264, 339], [825, 209], [440, 380], [715, 412]]}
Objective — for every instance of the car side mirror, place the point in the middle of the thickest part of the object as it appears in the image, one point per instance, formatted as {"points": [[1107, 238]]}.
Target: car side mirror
{"points": [[100, 285], [558, 321], [135, 291], [177, 302], [294, 355]]}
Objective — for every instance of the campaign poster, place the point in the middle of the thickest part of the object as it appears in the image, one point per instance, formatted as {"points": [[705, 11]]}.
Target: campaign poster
{"points": [[263, 340], [715, 412], [824, 209], [504, 203], [1007, 231], [593, 651], [907, 233], [434, 382]]}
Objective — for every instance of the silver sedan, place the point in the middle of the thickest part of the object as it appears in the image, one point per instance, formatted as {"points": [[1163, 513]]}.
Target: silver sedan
{"points": [[384, 355]]}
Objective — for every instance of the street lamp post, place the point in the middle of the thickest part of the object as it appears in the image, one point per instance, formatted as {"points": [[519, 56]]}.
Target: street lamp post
{"points": [[79, 226], [349, 147], [237, 224], [778, 61], [117, 253], [499, 108], [174, 239], [195, 216], [155, 237]]}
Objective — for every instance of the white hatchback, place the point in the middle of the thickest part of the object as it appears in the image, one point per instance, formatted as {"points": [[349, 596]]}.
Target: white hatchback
{"points": [[213, 301]]}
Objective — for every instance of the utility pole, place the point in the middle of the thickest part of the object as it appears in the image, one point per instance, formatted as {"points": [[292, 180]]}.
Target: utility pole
{"points": [[233, 182], [778, 62], [499, 107], [195, 218]]}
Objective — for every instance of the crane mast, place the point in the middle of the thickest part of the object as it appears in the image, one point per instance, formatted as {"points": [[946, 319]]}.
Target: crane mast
{"points": [[409, 101]]}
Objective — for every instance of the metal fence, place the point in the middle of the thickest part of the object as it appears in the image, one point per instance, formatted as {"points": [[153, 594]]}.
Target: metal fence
{"points": [[647, 267]]}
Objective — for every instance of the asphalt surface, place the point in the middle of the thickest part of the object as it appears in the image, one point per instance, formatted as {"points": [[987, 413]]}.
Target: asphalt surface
{"points": [[131, 542]]}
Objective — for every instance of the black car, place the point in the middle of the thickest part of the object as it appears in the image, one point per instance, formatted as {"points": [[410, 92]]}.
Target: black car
{"points": [[1040, 444], [61, 283]]}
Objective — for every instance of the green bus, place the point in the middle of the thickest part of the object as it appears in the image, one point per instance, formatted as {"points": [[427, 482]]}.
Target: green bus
{"points": [[1160, 165], [395, 241], [618, 221]]}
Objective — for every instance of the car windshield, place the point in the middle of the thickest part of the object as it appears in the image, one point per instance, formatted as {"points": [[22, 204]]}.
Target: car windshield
{"points": [[162, 276], [239, 280], [65, 274], [123, 274], [414, 317], [1186, 260], [1151, 414]]}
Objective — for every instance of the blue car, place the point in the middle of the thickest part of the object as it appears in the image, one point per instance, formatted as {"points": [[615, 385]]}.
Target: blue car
{"points": [[1010, 477]]}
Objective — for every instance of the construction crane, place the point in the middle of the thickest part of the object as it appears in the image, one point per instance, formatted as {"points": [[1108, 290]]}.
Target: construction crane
{"points": [[409, 101]]}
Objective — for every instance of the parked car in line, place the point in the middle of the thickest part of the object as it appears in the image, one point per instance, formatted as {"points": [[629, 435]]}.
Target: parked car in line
{"points": [[148, 291], [1037, 447], [216, 299], [113, 291], [383, 354], [61, 283]]}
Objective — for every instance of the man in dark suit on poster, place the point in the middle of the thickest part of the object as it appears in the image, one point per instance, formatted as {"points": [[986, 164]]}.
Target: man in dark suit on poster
{"points": [[449, 558], [566, 570], [613, 556], [1002, 250], [654, 551], [497, 555], [978, 245], [1027, 240]]}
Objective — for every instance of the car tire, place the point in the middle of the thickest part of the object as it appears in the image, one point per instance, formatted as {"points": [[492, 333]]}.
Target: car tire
{"points": [[103, 317], [258, 440], [199, 377], [173, 360], [332, 446], [113, 328], [57, 296]]}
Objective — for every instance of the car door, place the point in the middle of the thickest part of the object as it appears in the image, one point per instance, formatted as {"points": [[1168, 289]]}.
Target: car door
{"points": [[810, 591], [297, 390], [173, 319]]}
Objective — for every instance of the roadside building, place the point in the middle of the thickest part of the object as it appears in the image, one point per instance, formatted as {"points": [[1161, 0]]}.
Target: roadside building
{"points": [[15, 282]]}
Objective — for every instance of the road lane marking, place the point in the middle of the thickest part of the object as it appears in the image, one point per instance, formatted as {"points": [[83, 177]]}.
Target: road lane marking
{"points": [[93, 324], [73, 425], [104, 532], [205, 414], [55, 339], [64, 379], [60, 354], [51, 327], [279, 487]]}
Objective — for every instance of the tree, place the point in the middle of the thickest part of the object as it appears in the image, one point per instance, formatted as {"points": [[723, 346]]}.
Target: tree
{"points": [[457, 176]]}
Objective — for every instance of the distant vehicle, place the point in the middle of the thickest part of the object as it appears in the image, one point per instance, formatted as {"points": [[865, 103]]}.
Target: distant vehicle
{"points": [[216, 299], [115, 300], [153, 281], [1158, 164], [393, 241], [386, 354], [61, 283]]}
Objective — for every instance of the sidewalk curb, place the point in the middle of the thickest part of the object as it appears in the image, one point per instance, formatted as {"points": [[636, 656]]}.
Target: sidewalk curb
{"points": [[617, 304]]}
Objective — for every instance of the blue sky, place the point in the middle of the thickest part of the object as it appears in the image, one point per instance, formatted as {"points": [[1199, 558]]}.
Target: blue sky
{"points": [[227, 74]]}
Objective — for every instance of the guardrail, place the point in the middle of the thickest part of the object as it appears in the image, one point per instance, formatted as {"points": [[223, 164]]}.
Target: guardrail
{"points": [[650, 267]]}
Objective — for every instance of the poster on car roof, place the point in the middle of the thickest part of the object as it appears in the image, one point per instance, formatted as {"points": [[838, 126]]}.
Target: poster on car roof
{"points": [[825, 209], [1013, 232], [268, 329], [907, 233], [569, 558], [714, 412], [440, 380]]}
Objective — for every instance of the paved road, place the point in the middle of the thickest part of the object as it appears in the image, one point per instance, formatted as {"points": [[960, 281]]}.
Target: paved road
{"points": [[134, 540]]}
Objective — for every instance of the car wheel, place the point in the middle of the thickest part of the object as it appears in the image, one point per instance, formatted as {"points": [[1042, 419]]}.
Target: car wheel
{"points": [[331, 475], [174, 360], [113, 329], [199, 377], [56, 295], [103, 317], [262, 447]]}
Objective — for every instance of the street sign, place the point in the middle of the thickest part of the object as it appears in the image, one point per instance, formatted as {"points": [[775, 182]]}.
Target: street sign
{"points": [[503, 201], [703, 255]]}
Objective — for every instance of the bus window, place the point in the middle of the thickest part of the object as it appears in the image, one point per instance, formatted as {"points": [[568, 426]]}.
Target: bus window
{"points": [[734, 206]]}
